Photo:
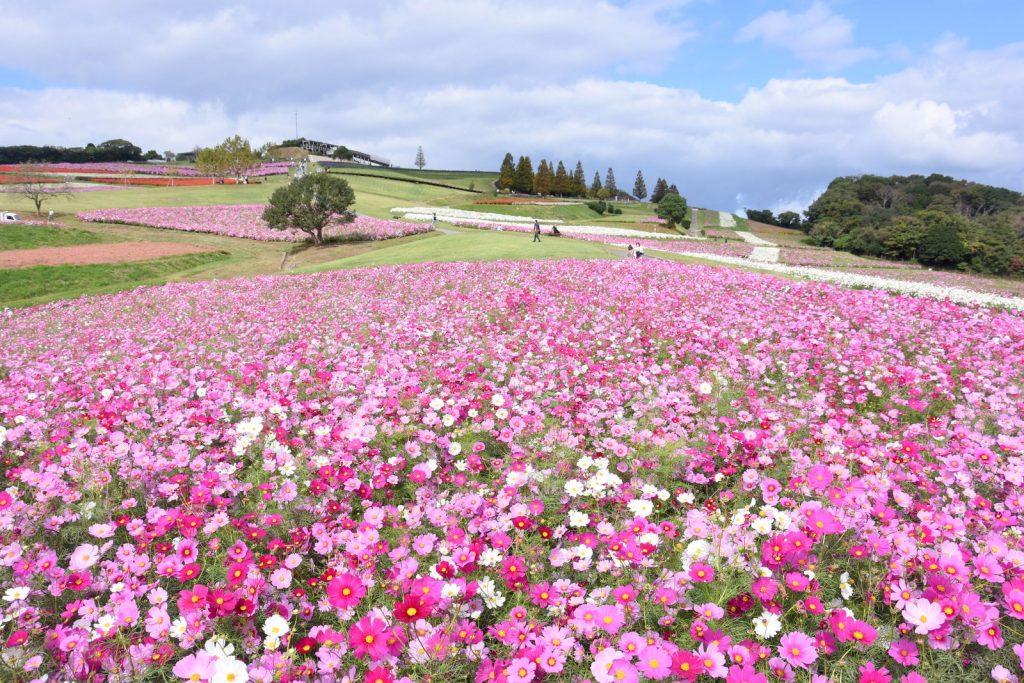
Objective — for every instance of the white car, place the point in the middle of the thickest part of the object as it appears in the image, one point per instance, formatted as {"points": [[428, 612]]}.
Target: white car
{"points": [[8, 217]]}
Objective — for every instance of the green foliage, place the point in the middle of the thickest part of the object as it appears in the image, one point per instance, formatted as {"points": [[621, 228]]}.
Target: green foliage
{"points": [[609, 183], [35, 236], [639, 186], [233, 157], [941, 245], [578, 182], [672, 209], [523, 179], [937, 219], [507, 173], [789, 219], [342, 153], [544, 180], [598, 206], [660, 188], [762, 216], [310, 204], [596, 186], [560, 185]]}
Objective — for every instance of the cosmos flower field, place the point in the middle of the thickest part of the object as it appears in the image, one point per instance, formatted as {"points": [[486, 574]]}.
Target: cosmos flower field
{"points": [[511, 471]]}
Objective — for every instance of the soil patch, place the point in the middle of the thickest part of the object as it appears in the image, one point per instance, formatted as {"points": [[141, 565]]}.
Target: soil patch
{"points": [[117, 252]]}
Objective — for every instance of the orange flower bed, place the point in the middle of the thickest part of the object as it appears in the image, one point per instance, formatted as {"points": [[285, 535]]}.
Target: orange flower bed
{"points": [[161, 181], [518, 200]]}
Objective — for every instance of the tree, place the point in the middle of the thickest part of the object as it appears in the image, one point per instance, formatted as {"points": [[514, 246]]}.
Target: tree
{"points": [[524, 176], [639, 186], [169, 155], [343, 153], [507, 173], [233, 157], [609, 184], [560, 186], [544, 179], [671, 209], [36, 188], [789, 219], [421, 161], [761, 216], [660, 188], [117, 150], [596, 186], [151, 155], [310, 204], [941, 244], [672, 189], [578, 182]]}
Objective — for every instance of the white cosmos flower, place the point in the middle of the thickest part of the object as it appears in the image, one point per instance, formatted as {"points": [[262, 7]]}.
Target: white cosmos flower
{"points": [[767, 625]]}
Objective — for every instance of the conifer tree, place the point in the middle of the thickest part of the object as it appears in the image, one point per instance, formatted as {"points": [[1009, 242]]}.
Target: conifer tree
{"points": [[421, 160], [672, 189], [595, 186], [524, 176], [507, 174], [560, 186], [639, 187], [609, 184], [542, 181], [660, 188], [578, 186]]}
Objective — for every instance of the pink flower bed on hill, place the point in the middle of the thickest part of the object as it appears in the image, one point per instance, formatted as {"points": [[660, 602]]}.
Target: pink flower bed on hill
{"points": [[264, 169], [245, 220], [511, 471]]}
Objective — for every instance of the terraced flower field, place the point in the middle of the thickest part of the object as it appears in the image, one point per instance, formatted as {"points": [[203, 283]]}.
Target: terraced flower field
{"points": [[511, 471]]}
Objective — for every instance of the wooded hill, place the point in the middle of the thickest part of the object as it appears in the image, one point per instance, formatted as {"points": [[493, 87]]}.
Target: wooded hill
{"points": [[936, 220]]}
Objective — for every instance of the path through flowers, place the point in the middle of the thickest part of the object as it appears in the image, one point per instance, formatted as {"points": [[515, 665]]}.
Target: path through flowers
{"points": [[512, 471]]}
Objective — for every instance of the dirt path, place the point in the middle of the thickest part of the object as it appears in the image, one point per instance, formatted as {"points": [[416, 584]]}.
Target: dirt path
{"points": [[94, 253]]}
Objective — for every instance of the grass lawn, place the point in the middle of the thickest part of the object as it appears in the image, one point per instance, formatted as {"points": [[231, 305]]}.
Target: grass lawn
{"points": [[33, 236], [471, 246], [39, 284]]}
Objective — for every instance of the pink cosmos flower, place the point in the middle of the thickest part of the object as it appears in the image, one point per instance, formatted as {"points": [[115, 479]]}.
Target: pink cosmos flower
{"points": [[1014, 599], [797, 648], [654, 662], [345, 591], [85, 556], [520, 670], [905, 652], [869, 674], [744, 674], [368, 638], [702, 573], [195, 667]]}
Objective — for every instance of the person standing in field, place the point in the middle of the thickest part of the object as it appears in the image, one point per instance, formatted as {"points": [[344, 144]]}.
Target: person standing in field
{"points": [[536, 230]]}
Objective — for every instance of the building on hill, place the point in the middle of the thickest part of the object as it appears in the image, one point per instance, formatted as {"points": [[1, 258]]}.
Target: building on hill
{"points": [[326, 149]]}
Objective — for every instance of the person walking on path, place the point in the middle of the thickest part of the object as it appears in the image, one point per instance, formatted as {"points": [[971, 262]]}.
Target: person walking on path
{"points": [[536, 230]]}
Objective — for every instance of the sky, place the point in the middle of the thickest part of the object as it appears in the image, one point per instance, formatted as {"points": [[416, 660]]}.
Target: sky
{"points": [[740, 103]]}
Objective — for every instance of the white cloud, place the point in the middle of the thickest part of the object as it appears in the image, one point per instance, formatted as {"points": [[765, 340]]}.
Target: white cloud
{"points": [[816, 35]]}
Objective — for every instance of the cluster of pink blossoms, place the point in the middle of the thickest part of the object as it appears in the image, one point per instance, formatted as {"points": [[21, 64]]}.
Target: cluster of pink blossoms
{"points": [[246, 221], [511, 472]]}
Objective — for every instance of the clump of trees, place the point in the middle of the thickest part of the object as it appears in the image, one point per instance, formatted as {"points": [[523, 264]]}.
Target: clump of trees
{"points": [[672, 209], [110, 150], [937, 220], [556, 179], [233, 157]]}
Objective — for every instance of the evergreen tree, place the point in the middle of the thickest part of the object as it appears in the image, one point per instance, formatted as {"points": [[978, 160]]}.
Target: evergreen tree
{"points": [[660, 188], [672, 209], [507, 174], [941, 244], [542, 181], [596, 186], [421, 160], [639, 187], [578, 186], [524, 176], [672, 189], [560, 186], [609, 184]]}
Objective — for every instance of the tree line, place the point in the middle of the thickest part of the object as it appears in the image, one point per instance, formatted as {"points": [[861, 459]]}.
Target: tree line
{"points": [[551, 179], [110, 150], [935, 220]]}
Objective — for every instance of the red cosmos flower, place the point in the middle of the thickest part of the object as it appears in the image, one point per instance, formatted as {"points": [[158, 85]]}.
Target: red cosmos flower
{"points": [[410, 609], [237, 571], [19, 637], [5, 500], [222, 602], [79, 581], [305, 646], [344, 591], [193, 600], [686, 665]]}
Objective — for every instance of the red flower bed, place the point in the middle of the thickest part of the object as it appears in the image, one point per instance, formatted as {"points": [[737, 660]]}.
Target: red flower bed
{"points": [[161, 181], [518, 200]]}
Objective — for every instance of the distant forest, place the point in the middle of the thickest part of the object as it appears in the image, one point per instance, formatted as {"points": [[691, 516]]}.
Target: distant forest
{"points": [[111, 150], [935, 220]]}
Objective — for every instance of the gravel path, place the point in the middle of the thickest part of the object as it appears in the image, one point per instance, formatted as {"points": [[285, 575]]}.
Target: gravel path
{"points": [[94, 253]]}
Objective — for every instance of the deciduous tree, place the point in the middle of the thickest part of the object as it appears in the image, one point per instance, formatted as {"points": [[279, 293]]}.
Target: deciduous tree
{"points": [[310, 204], [672, 209]]}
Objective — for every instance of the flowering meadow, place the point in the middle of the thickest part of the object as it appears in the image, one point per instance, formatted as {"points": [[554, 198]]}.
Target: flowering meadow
{"points": [[246, 221], [118, 167], [512, 472]]}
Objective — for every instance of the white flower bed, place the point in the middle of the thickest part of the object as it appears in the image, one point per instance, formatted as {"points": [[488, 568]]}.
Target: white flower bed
{"points": [[451, 215], [751, 238], [852, 280], [765, 254], [726, 220]]}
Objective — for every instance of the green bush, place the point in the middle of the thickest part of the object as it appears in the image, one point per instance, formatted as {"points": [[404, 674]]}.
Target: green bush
{"points": [[599, 206]]}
